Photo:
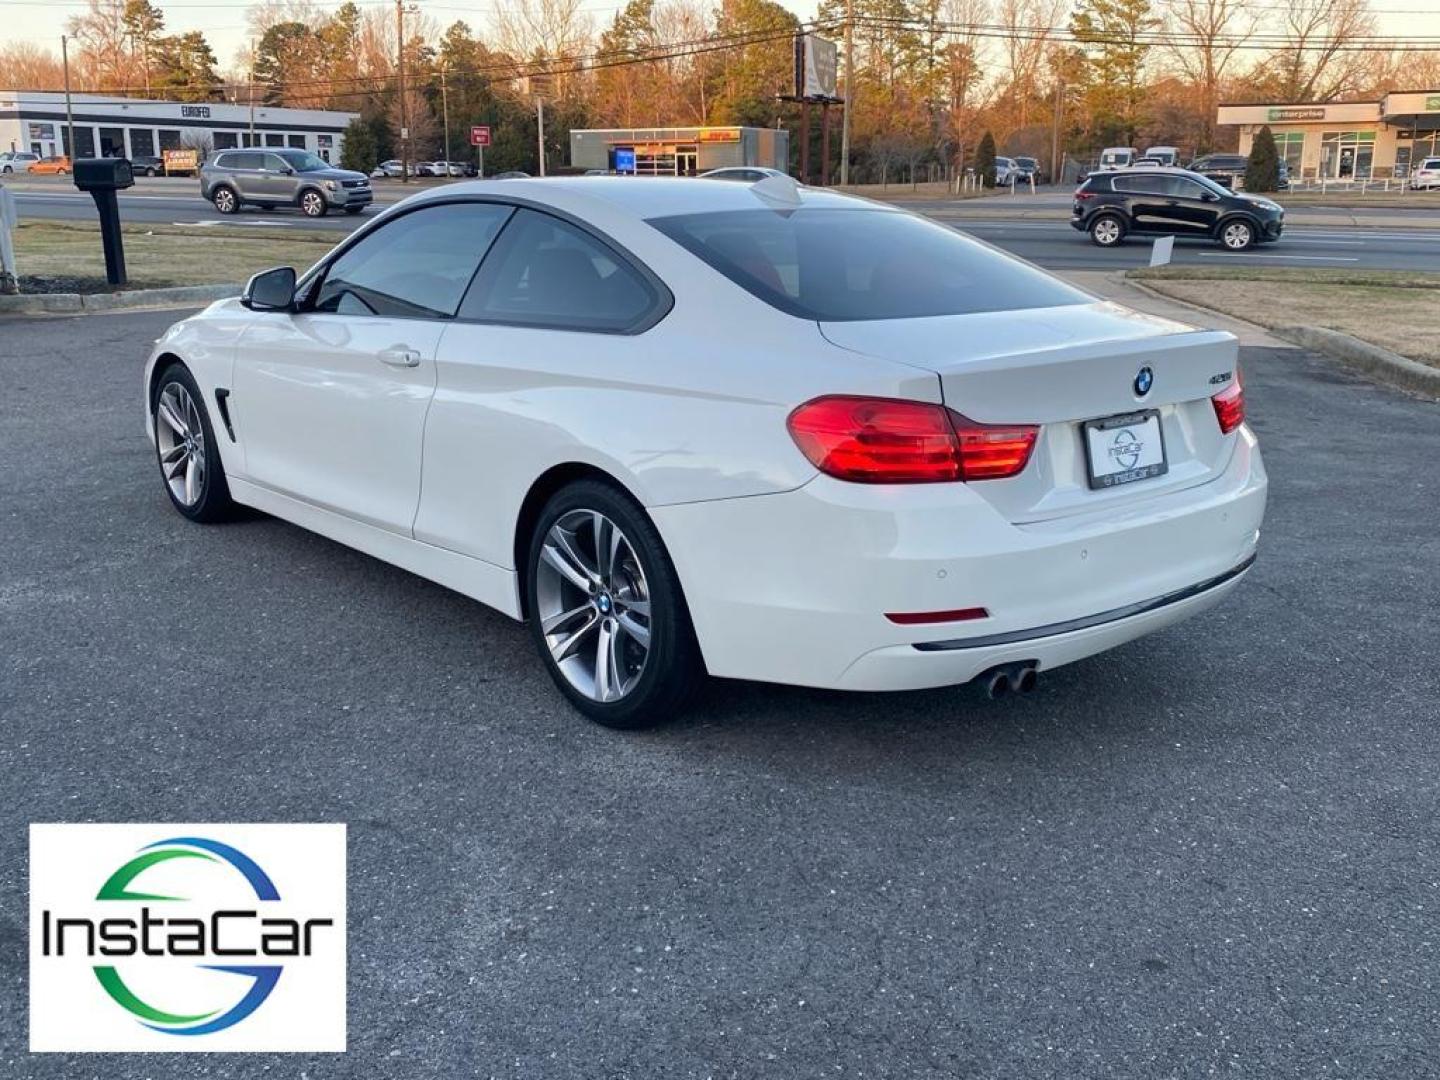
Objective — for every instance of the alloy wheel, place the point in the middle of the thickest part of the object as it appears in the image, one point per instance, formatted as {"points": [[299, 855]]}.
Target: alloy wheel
{"points": [[1237, 236], [1107, 231], [180, 440], [312, 204], [593, 604], [225, 201]]}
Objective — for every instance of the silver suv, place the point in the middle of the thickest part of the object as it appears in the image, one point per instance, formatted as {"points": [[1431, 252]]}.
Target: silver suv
{"points": [[268, 178]]}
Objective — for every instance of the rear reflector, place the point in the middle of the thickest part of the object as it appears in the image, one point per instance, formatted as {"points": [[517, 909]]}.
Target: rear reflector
{"points": [[915, 618], [884, 441], [1230, 404]]}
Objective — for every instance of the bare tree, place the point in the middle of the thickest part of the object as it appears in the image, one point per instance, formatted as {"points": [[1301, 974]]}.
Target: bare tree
{"points": [[1314, 64], [1213, 32], [545, 34]]}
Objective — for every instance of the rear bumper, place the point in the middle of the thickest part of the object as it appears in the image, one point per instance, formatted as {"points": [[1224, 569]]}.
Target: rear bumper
{"points": [[794, 587]]}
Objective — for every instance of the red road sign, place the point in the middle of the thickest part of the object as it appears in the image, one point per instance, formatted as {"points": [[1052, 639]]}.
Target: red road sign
{"points": [[479, 136]]}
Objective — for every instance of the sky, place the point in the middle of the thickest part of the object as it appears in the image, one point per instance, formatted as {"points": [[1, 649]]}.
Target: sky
{"points": [[223, 21]]}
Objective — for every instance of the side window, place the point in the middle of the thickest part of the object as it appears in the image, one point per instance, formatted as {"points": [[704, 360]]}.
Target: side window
{"points": [[417, 266], [1182, 188], [240, 161], [1141, 185], [273, 163], [546, 272]]}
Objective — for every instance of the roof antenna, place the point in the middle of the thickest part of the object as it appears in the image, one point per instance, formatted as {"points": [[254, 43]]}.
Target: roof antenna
{"points": [[778, 189]]}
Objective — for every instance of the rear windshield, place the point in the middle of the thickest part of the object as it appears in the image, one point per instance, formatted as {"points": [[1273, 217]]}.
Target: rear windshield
{"points": [[852, 265]]}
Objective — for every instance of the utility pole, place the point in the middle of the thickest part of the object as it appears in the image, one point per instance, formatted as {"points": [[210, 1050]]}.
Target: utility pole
{"points": [[849, 92], [69, 115], [404, 108], [540, 127], [445, 115], [1055, 177], [252, 91]]}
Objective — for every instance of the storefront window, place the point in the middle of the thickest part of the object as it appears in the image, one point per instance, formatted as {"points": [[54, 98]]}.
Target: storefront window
{"points": [[169, 139], [1291, 145], [142, 142], [226, 140], [1347, 155]]}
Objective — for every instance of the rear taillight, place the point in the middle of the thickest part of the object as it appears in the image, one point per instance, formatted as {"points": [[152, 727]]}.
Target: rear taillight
{"points": [[882, 441], [1081, 195], [1230, 404]]}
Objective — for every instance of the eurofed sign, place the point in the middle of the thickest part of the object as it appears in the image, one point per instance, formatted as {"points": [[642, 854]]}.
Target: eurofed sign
{"points": [[176, 938]]}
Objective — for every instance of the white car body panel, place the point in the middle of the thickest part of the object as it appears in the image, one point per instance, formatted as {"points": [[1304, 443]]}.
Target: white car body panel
{"points": [[787, 573]]}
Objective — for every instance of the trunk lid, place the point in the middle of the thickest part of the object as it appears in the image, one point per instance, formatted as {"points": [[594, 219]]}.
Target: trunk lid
{"points": [[1059, 367]]}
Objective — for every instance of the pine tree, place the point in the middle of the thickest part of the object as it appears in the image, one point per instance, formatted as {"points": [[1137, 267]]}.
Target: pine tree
{"points": [[1262, 171], [359, 150], [985, 160]]}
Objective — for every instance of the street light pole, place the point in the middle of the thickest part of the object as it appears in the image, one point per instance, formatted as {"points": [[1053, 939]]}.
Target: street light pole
{"points": [[445, 116], [540, 128], [69, 114], [404, 108]]}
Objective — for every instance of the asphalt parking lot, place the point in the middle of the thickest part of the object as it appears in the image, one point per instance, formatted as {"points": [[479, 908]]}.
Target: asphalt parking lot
{"points": [[1210, 852]]}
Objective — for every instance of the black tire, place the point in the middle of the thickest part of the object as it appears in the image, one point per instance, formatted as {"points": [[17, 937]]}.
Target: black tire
{"points": [[1106, 230], [226, 199], [214, 503], [353, 209], [673, 671]]}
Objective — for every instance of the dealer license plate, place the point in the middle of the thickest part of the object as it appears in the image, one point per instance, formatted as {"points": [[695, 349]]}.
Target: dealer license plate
{"points": [[1123, 449]]}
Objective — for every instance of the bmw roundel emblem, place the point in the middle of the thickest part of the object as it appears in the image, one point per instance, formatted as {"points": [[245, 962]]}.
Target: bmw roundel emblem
{"points": [[1144, 379]]}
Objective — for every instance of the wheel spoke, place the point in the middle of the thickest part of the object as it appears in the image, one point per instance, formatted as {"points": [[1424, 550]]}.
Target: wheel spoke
{"points": [[607, 679], [559, 553], [607, 542], [553, 623], [640, 633], [177, 470], [166, 412], [192, 480], [172, 455], [569, 645], [637, 607]]}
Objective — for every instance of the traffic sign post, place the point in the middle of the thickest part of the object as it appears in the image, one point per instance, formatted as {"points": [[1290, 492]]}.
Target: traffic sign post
{"points": [[480, 138]]}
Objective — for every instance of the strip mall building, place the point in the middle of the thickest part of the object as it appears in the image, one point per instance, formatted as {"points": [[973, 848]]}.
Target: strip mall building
{"points": [[131, 127], [1358, 140]]}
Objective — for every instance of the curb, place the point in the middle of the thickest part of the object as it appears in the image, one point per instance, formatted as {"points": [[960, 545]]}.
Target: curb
{"points": [[1383, 364], [81, 303], [1380, 364]]}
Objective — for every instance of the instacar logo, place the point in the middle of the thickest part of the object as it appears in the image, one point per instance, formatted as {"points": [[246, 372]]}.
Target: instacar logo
{"points": [[183, 944]]}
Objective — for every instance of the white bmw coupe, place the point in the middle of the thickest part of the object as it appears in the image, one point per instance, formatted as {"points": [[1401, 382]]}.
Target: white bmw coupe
{"points": [[756, 430]]}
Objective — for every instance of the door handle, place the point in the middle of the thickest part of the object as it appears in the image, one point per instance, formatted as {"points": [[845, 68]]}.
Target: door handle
{"points": [[399, 356]]}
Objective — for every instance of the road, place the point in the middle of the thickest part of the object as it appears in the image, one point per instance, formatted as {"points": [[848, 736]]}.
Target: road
{"points": [[1051, 244], [1210, 852]]}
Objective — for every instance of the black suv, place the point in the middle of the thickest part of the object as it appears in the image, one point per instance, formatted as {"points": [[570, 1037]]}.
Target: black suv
{"points": [[1172, 202]]}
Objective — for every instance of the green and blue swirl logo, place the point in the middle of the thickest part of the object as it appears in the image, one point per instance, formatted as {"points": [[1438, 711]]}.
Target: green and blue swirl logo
{"points": [[242, 942]]}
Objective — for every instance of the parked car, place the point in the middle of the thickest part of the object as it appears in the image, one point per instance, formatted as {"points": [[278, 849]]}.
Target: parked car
{"points": [[58, 165], [269, 178], [511, 174], [1163, 155], [393, 167], [17, 161], [678, 432], [1227, 170], [452, 168], [1030, 169], [1117, 157], [1172, 202], [1426, 174], [147, 165], [745, 174]]}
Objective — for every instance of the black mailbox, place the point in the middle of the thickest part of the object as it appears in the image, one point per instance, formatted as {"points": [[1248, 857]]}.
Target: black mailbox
{"points": [[102, 177], [103, 174]]}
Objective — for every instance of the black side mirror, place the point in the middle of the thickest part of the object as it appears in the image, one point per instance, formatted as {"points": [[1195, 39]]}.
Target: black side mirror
{"points": [[271, 290]]}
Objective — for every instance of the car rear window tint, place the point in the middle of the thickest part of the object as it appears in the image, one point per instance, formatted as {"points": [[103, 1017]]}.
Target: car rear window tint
{"points": [[850, 265]]}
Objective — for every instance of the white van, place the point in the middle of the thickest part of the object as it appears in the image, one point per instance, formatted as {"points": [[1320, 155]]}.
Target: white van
{"points": [[1117, 157], [1165, 155]]}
